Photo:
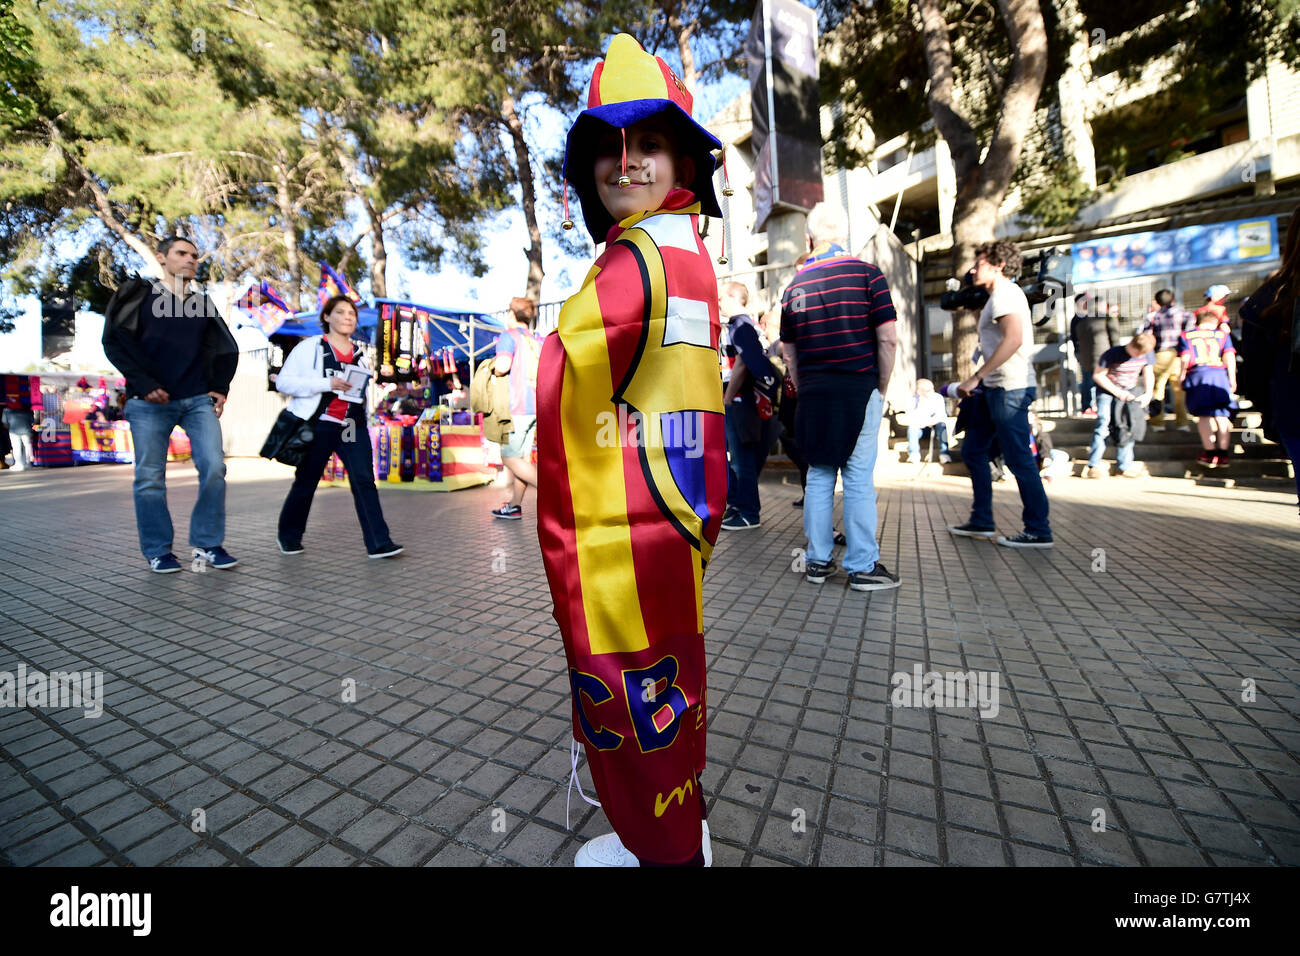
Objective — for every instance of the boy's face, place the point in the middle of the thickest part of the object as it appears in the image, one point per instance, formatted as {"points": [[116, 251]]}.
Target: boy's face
{"points": [[652, 165]]}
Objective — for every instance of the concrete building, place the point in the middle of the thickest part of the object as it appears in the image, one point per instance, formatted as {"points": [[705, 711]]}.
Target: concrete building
{"points": [[1242, 173]]}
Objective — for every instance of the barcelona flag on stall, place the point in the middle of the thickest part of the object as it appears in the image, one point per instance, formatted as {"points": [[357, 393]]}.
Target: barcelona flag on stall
{"points": [[332, 284]]}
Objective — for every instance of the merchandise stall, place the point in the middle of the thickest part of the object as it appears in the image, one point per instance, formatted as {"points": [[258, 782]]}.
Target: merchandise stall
{"points": [[441, 451], [77, 419], [419, 438]]}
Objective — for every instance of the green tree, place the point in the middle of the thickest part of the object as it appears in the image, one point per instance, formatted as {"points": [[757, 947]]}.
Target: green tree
{"points": [[975, 73], [17, 67]]}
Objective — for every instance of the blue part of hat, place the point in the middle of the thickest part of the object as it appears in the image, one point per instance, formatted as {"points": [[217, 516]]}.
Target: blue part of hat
{"points": [[696, 142]]}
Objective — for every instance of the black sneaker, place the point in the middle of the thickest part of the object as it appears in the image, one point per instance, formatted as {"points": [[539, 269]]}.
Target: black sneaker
{"points": [[797, 504], [735, 521], [389, 550], [509, 512], [816, 572], [218, 557], [877, 579], [288, 547], [1023, 540], [164, 564], [969, 530]]}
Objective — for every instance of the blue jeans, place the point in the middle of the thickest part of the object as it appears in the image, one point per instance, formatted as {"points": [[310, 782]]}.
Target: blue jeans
{"points": [[916, 432], [1124, 453], [360, 464], [745, 460], [859, 500], [151, 427], [1004, 414]]}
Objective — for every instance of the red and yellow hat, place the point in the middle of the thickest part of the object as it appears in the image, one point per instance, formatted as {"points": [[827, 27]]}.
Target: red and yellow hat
{"points": [[628, 86]]}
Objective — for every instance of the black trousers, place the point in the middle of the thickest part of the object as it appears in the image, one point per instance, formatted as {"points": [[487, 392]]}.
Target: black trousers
{"points": [[359, 462]]}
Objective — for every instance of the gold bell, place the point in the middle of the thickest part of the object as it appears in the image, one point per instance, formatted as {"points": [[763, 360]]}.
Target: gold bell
{"points": [[624, 182], [728, 191], [566, 224], [722, 260]]}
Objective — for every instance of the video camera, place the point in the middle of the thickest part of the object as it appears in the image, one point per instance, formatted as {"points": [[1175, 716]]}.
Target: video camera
{"points": [[1051, 269]]}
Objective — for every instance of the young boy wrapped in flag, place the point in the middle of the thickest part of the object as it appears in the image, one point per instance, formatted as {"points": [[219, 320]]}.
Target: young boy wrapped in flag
{"points": [[632, 461]]}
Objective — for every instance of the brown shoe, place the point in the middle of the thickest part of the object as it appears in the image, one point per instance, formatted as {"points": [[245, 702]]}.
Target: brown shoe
{"points": [[1099, 471]]}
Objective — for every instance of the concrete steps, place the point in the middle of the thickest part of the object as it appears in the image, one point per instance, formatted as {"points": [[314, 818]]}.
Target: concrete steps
{"points": [[1255, 461]]}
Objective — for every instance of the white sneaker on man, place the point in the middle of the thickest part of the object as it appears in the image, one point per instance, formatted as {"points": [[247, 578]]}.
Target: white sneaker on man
{"points": [[608, 850]]}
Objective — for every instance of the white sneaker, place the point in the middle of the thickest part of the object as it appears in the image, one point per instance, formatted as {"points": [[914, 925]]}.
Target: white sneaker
{"points": [[945, 459], [607, 850]]}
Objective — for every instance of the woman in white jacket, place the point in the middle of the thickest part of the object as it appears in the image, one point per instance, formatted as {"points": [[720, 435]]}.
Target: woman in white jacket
{"points": [[314, 374]]}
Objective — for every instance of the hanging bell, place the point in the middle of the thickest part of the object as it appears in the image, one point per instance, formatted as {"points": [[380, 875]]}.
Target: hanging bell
{"points": [[566, 224], [624, 182], [728, 191], [722, 260]]}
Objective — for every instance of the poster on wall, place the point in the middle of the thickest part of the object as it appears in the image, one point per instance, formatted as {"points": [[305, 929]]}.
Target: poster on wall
{"points": [[1176, 250]]}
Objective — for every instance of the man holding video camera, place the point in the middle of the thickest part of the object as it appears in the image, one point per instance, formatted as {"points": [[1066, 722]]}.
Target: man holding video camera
{"points": [[1005, 387]]}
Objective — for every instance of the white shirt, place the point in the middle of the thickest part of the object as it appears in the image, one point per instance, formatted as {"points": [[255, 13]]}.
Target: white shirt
{"points": [[1017, 371], [303, 376], [929, 410]]}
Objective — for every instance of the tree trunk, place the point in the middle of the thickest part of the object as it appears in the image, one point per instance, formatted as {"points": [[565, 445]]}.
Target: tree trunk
{"points": [[972, 224], [524, 170], [378, 255], [982, 185], [683, 33], [289, 232]]}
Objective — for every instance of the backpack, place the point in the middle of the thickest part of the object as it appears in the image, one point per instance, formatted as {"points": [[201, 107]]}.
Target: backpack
{"points": [[489, 394]]}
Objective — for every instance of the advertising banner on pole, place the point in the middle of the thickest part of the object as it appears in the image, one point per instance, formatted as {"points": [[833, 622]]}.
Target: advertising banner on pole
{"points": [[782, 54]]}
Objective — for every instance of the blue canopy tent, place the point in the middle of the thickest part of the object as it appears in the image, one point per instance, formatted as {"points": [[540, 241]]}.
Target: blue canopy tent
{"points": [[446, 329]]}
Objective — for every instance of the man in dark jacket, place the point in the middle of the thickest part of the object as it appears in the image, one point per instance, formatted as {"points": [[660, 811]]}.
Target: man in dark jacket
{"points": [[1091, 335], [167, 338], [749, 399]]}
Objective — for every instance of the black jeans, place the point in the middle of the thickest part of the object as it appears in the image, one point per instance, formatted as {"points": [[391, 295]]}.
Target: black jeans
{"points": [[357, 459]]}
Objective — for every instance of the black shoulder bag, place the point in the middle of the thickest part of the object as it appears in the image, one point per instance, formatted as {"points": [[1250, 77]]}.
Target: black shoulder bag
{"points": [[292, 436]]}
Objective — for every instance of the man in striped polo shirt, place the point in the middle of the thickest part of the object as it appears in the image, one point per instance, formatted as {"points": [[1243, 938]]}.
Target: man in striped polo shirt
{"points": [[838, 337]]}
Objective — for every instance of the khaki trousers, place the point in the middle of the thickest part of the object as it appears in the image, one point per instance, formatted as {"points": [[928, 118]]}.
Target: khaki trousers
{"points": [[1168, 366]]}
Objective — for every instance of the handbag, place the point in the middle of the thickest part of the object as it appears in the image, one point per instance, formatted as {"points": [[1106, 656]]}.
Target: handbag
{"points": [[291, 436]]}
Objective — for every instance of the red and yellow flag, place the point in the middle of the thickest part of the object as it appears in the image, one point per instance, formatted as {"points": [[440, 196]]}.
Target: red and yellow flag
{"points": [[632, 487]]}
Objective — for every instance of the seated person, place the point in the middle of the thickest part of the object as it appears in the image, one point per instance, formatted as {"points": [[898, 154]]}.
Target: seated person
{"points": [[927, 411]]}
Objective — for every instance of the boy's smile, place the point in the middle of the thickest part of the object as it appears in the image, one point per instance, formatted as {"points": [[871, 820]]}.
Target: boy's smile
{"points": [[652, 166]]}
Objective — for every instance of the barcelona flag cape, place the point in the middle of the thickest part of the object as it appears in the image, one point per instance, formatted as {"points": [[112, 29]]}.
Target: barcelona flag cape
{"points": [[632, 484]]}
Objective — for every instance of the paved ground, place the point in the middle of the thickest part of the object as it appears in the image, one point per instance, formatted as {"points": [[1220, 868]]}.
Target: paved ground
{"points": [[1121, 689]]}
